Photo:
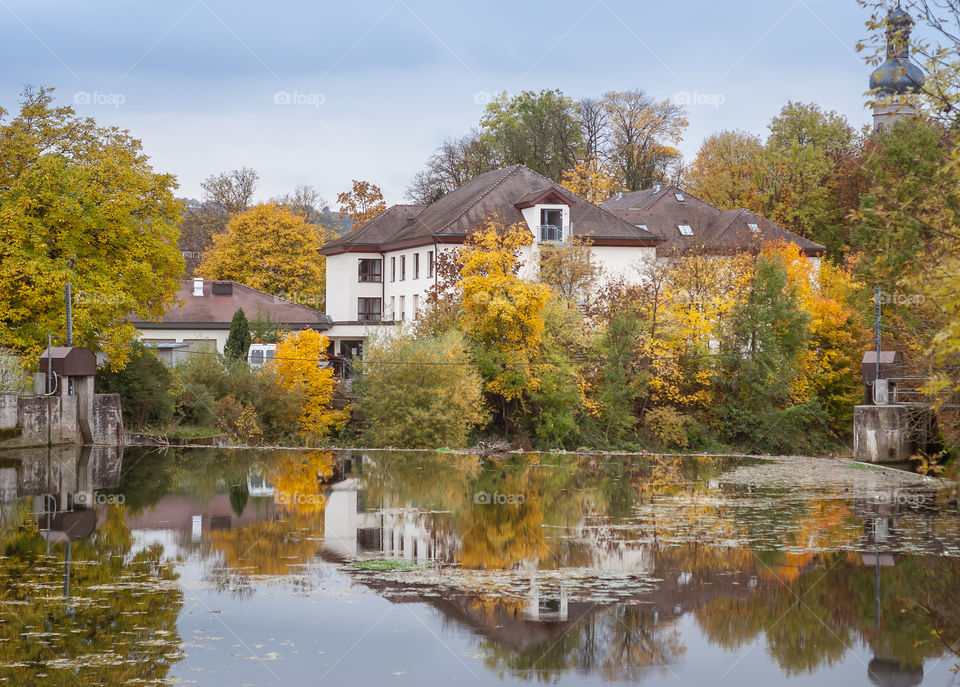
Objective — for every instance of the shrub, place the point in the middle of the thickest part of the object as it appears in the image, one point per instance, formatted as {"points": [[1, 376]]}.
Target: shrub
{"points": [[238, 341], [667, 426], [419, 393], [144, 385]]}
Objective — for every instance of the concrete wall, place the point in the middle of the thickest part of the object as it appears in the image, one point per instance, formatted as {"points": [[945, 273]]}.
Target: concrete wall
{"points": [[8, 409], [884, 434], [107, 420]]}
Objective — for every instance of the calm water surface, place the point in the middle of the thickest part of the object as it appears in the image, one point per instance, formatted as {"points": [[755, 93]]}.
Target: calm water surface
{"points": [[214, 567]]}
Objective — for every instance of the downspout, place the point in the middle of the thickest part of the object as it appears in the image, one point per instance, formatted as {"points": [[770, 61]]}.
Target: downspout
{"points": [[383, 284], [436, 255]]}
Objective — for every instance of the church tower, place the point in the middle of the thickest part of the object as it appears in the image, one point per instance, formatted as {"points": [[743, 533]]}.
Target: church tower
{"points": [[898, 78]]}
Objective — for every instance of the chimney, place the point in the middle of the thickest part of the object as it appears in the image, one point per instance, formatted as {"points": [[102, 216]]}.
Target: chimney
{"points": [[198, 286], [656, 187]]}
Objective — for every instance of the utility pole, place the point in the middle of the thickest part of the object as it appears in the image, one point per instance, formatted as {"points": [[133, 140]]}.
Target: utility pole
{"points": [[877, 314]]}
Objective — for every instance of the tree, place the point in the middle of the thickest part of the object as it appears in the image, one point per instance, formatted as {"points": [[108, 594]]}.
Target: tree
{"points": [[571, 268], [641, 137], [501, 313], [432, 379], [81, 204], [456, 161], [592, 180], [299, 364], [539, 130], [238, 340], [363, 202], [726, 171], [224, 195], [271, 249], [144, 385]]}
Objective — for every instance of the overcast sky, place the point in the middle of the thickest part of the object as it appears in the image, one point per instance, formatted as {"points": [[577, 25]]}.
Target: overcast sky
{"points": [[324, 92]]}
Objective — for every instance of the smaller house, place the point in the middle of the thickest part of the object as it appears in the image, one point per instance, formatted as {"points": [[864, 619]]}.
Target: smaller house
{"points": [[202, 322]]}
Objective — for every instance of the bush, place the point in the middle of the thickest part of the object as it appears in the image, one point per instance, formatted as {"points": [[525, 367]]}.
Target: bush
{"points": [[238, 421], [144, 385], [432, 398], [667, 426]]}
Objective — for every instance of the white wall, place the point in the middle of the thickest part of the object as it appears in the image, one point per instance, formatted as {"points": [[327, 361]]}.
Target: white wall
{"points": [[344, 286], [179, 335]]}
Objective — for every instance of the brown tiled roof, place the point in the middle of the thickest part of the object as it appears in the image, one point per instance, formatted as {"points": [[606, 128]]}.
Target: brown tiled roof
{"points": [[495, 193], [213, 311], [377, 230], [714, 230]]}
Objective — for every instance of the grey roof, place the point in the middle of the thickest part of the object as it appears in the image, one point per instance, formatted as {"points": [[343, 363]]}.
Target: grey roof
{"points": [[494, 194], [714, 230], [380, 228]]}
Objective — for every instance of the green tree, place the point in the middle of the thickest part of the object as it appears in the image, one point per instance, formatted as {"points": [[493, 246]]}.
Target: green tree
{"points": [[419, 393], [238, 341], [144, 385], [80, 203]]}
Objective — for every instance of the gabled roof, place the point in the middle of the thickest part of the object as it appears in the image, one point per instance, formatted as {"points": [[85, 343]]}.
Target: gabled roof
{"points": [[379, 229], [713, 229], [215, 310], [496, 193]]}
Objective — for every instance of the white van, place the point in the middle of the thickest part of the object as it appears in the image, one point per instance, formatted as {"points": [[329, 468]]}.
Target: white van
{"points": [[260, 354]]}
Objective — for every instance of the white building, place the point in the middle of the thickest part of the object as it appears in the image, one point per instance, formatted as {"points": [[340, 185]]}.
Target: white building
{"points": [[380, 273]]}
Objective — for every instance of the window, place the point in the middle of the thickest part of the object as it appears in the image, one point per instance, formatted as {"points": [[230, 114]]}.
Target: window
{"points": [[403, 300], [416, 305], [679, 197], [368, 309], [393, 307], [370, 269], [551, 225], [416, 265], [641, 226], [393, 269], [403, 267], [685, 229], [430, 264], [753, 227]]}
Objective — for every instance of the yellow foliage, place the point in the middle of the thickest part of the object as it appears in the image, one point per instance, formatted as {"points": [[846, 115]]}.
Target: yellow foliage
{"points": [[502, 313], [297, 364], [363, 202], [272, 249], [592, 180]]}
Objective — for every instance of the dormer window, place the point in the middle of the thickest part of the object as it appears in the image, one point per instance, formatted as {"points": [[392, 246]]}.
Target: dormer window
{"points": [[641, 226], [679, 197], [551, 225], [753, 227], [685, 229]]}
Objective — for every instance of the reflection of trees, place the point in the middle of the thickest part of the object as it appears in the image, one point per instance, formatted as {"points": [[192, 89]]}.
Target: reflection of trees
{"points": [[619, 642], [292, 537], [119, 623]]}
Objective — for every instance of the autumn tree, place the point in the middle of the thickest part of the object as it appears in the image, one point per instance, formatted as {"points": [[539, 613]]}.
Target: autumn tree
{"points": [[501, 313], [726, 171], [224, 195], [419, 393], [363, 202], [570, 267], [591, 179], [300, 366], [270, 249], [81, 204], [642, 134]]}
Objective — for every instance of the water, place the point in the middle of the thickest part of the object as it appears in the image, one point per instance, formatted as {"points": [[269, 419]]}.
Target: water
{"points": [[213, 567]]}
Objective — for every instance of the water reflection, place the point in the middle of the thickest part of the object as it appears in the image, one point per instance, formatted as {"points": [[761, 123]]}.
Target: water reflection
{"points": [[547, 566]]}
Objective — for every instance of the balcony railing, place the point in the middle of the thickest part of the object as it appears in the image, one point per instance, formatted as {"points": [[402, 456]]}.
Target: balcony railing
{"points": [[550, 233]]}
